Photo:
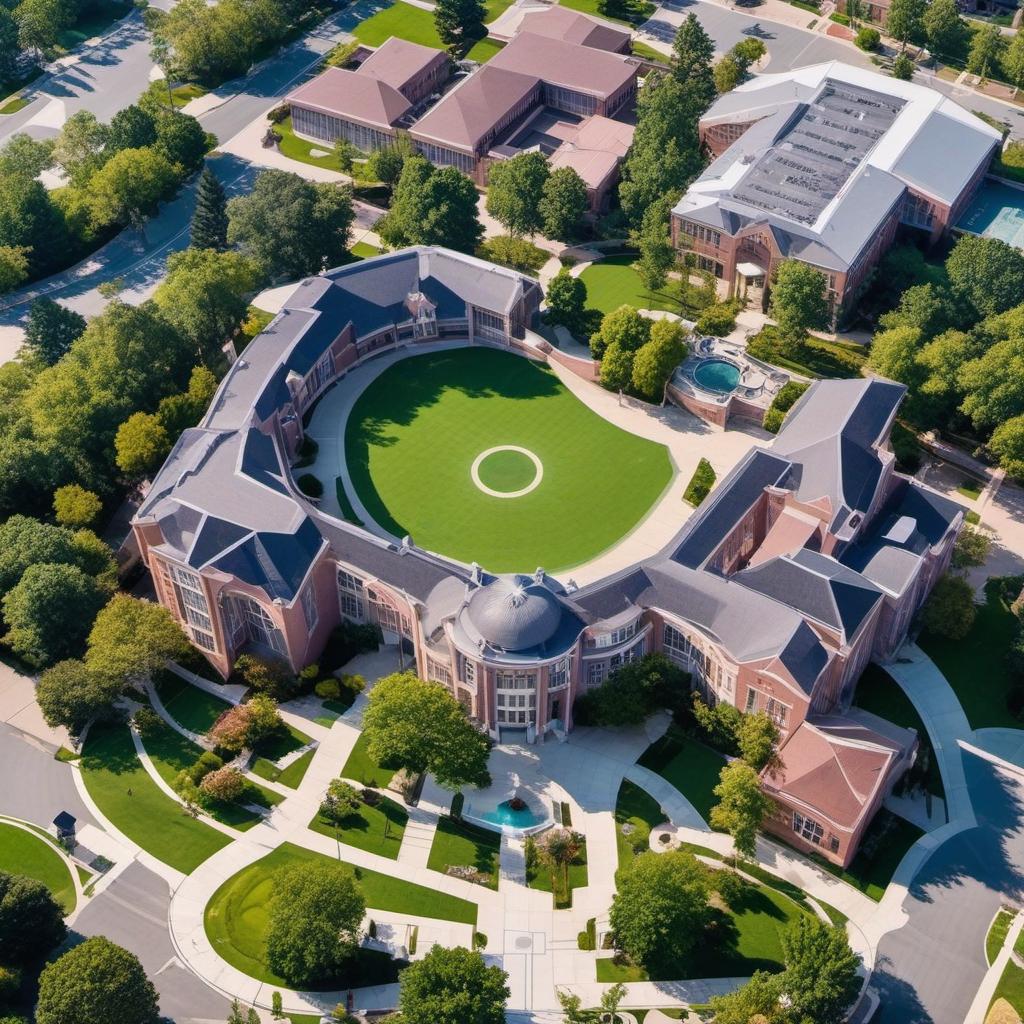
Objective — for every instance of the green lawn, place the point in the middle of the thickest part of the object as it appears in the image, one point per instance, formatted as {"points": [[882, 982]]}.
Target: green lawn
{"points": [[640, 10], [997, 935], [417, 429], [182, 95], [286, 740], [22, 853], [364, 250], [14, 104], [236, 917], [172, 753], [483, 50], [817, 357], [289, 776], [95, 24], [690, 766], [134, 803], [639, 809], [970, 489], [360, 767], [747, 939], [366, 828], [459, 843], [976, 666], [1011, 987], [417, 26], [542, 878], [295, 148], [880, 694], [612, 282], [192, 708]]}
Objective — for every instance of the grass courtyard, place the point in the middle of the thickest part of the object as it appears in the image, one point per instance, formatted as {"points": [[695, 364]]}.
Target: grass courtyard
{"points": [[416, 431], [237, 916], [612, 282], [459, 843], [22, 853], [377, 829], [360, 767], [417, 26], [192, 708], [690, 766]]}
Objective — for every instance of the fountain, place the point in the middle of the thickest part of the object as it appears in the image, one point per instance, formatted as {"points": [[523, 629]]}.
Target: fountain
{"points": [[514, 814]]}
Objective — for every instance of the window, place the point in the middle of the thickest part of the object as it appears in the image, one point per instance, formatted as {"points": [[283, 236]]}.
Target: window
{"points": [[596, 673], [676, 644], [558, 674], [387, 617], [515, 680], [351, 607], [751, 700], [833, 843], [309, 611], [349, 582], [468, 670], [777, 712], [187, 579], [616, 636], [254, 622], [320, 375], [808, 828], [438, 673], [634, 653], [489, 325], [706, 263], [205, 640], [196, 618], [350, 594]]}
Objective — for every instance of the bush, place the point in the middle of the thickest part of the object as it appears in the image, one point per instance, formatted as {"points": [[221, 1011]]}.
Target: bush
{"points": [[730, 886], [718, 320], [346, 641], [224, 784], [146, 722], [355, 684], [10, 982], [310, 486], [207, 762], [328, 689], [867, 39], [719, 725], [587, 940], [271, 676], [307, 453], [950, 610], [517, 253], [280, 113], [787, 397], [700, 484]]}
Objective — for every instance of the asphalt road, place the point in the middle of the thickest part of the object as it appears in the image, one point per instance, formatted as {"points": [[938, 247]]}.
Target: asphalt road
{"points": [[930, 969], [105, 79], [132, 912]]}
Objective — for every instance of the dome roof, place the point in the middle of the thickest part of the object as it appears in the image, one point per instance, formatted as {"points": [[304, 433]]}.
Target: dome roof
{"points": [[515, 613]]}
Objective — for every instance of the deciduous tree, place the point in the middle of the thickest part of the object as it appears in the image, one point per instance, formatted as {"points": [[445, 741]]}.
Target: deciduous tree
{"points": [[422, 727], [225, 784], [988, 273], [132, 638], [820, 979], [616, 367], [23, 155], [459, 22], [971, 548], [74, 506], [983, 55], [10, 48], [514, 191], [623, 326], [180, 138], [141, 444], [798, 302], [760, 999], [96, 982], [1007, 442], [340, 801], [657, 254], [80, 148], [31, 920], [51, 329], [315, 914], [657, 359], [741, 807], [14, 266], [661, 910], [452, 986], [567, 301], [129, 186], [757, 736], [945, 29], [131, 128], [563, 204], [905, 21], [40, 22], [728, 74], [950, 610]]}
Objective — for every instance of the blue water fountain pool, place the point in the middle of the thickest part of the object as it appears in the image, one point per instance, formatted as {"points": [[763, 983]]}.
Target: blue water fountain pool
{"points": [[510, 819], [717, 375]]}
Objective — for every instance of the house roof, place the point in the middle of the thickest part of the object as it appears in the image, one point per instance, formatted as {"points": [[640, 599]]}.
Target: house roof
{"points": [[575, 27], [595, 150], [352, 95], [397, 61]]}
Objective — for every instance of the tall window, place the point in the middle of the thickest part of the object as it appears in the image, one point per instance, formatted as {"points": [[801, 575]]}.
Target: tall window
{"points": [[350, 596], [616, 636], [489, 325], [515, 680], [676, 644], [309, 611], [320, 376], [388, 617], [809, 829], [257, 624], [193, 604], [558, 674]]}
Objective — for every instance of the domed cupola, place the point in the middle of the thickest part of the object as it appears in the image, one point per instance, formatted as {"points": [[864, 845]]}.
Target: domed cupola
{"points": [[515, 613]]}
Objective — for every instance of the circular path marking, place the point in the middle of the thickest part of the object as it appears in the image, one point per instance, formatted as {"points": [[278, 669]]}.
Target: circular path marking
{"points": [[474, 471]]}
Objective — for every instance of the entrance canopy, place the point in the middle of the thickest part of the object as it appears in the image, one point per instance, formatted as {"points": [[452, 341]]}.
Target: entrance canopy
{"points": [[749, 270]]}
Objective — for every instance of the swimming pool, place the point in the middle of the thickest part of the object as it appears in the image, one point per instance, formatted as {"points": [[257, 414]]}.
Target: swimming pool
{"points": [[717, 375]]}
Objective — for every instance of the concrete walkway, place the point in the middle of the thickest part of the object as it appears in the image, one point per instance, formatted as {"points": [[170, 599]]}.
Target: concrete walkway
{"points": [[987, 990]]}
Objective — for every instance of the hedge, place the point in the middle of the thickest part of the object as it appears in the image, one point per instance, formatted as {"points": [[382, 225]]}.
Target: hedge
{"points": [[700, 484]]}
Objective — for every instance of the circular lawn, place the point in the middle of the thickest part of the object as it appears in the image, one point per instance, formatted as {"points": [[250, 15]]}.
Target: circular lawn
{"points": [[24, 853], [485, 456]]}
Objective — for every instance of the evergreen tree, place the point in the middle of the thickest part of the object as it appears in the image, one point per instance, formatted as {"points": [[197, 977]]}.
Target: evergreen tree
{"points": [[210, 220], [458, 22], [692, 53]]}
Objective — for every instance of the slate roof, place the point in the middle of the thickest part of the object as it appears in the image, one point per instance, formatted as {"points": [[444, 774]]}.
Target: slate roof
{"points": [[352, 96]]}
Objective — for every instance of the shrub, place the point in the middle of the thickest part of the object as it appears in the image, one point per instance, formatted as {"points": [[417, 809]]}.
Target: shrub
{"points": [[587, 940], [950, 610], [700, 484], [517, 253], [867, 39], [279, 113], [787, 397], [719, 319], [307, 453], [207, 762], [271, 676], [328, 689], [719, 725], [355, 684], [310, 486], [231, 730], [10, 982], [340, 800], [146, 722], [224, 784], [346, 641], [730, 886]]}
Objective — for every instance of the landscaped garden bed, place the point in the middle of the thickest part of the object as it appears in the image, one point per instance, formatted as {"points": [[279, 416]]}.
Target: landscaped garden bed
{"points": [[458, 844], [377, 828], [639, 812]]}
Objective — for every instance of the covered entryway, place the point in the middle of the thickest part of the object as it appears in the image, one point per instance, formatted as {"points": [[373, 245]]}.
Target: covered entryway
{"points": [[749, 284]]}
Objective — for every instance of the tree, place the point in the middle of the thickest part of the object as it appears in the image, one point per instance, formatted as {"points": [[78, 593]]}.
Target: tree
{"points": [[514, 191], [798, 302], [760, 999], [31, 920], [10, 49], [657, 253], [30, 220], [560, 847], [1007, 442], [128, 186], [821, 970], [741, 807], [566, 302], [656, 361], [131, 128], [23, 155], [610, 999], [25, 541], [661, 909], [385, 164], [692, 53], [264, 718], [757, 736], [340, 801], [51, 329], [665, 155], [14, 266], [1013, 62], [225, 784], [987, 273], [971, 548], [80, 148], [142, 444], [633, 692], [563, 204], [728, 74], [992, 385], [180, 138], [984, 51], [70, 695], [177, 413], [132, 638], [315, 914], [572, 1008], [422, 727], [291, 227], [894, 355], [903, 67], [616, 367], [74, 506], [949, 610], [905, 21], [452, 986], [459, 22], [49, 612], [945, 29], [210, 219], [432, 206], [623, 326], [205, 296], [40, 22], [96, 982]]}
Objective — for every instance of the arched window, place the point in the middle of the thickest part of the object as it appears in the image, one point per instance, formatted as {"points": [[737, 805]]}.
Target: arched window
{"points": [[251, 621]]}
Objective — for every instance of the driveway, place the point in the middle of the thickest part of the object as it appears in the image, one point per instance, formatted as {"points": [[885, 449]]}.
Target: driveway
{"points": [[132, 912], [930, 969]]}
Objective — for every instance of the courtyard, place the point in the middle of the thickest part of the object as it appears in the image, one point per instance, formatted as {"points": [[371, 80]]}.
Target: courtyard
{"points": [[484, 456]]}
